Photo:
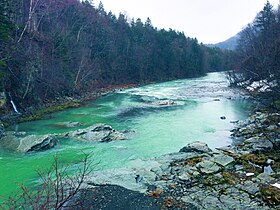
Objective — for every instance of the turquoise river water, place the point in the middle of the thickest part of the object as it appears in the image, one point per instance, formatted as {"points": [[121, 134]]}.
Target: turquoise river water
{"points": [[195, 115]]}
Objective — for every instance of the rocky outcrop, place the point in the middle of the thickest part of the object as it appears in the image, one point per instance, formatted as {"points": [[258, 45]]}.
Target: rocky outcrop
{"points": [[96, 133], [21, 143]]}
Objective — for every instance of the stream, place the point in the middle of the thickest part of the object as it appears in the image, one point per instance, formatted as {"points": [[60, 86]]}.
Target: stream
{"points": [[194, 111]]}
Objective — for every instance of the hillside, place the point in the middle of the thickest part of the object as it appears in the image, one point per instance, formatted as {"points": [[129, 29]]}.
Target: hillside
{"points": [[56, 49], [229, 44]]}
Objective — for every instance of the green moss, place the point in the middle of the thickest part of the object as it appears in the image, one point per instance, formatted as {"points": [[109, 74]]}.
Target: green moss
{"points": [[230, 178], [38, 115], [193, 161], [260, 160], [249, 160], [60, 107], [270, 195], [276, 162], [210, 181], [256, 159], [31, 118]]}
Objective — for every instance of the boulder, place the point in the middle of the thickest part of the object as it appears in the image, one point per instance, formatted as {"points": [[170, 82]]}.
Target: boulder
{"points": [[28, 143], [96, 133], [196, 146]]}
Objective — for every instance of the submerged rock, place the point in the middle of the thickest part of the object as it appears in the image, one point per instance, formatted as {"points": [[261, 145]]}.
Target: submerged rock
{"points": [[68, 124], [97, 132], [28, 143], [163, 103]]}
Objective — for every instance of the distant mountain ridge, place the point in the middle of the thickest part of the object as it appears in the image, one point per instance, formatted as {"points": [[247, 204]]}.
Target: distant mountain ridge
{"points": [[229, 44]]}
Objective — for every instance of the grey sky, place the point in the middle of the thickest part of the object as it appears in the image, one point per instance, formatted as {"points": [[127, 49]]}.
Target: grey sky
{"points": [[210, 21]]}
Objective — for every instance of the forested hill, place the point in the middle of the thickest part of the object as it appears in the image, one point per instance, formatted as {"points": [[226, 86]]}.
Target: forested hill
{"points": [[229, 44], [58, 48]]}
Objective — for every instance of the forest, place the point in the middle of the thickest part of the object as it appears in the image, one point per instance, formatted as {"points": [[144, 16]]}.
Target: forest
{"points": [[201, 143], [258, 53], [65, 48]]}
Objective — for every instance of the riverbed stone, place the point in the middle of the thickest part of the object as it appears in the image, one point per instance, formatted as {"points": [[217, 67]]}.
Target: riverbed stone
{"points": [[223, 160], [264, 178], [196, 146], [255, 144], [96, 133], [249, 187], [208, 167]]}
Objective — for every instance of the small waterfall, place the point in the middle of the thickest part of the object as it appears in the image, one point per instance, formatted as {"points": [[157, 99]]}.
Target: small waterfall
{"points": [[14, 106]]}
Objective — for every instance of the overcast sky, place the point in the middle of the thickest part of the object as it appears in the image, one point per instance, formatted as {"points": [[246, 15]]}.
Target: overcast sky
{"points": [[210, 21]]}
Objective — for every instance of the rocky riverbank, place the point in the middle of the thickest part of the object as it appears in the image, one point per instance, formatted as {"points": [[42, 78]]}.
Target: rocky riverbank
{"points": [[245, 175]]}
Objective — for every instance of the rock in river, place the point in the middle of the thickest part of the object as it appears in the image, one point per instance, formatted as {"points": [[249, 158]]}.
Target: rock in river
{"points": [[28, 143], [164, 103], [68, 124], [97, 132]]}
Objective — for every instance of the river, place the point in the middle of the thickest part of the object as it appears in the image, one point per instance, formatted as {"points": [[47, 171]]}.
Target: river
{"points": [[159, 129]]}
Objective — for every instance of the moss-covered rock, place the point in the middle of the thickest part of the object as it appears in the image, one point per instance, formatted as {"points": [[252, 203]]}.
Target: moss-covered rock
{"points": [[231, 178]]}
